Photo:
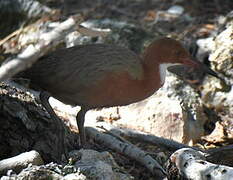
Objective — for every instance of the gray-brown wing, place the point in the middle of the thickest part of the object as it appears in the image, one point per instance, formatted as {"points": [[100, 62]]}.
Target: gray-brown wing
{"points": [[81, 66]]}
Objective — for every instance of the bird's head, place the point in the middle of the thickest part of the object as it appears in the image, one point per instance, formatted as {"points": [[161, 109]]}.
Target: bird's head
{"points": [[170, 52]]}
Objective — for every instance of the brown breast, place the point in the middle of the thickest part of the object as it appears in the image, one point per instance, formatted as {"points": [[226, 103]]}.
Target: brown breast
{"points": [[120, 89]]}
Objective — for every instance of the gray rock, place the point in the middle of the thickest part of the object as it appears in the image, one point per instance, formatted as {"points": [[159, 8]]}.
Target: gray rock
{"points": [[98, 165], [37, 172], [176, 10], [122, 33], [218, 94]]}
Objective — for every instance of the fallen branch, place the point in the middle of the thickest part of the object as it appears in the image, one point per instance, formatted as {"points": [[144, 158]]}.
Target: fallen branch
{"points": [[220, 155], [128, 150], [34, 52], [20, 162], [192, 164], [161, 142], [93, 32], [33, 128], [15, 33]]}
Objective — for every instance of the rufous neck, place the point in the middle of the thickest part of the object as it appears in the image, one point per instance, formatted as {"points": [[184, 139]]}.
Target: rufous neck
{"points": [[151, 70], [151, 61]]}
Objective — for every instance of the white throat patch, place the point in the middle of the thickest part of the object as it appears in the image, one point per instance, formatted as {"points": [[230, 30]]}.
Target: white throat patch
{"points": [[162, 71]]}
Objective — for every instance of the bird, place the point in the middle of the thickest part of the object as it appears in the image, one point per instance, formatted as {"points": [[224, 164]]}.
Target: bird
{"points": [[104, 75]]}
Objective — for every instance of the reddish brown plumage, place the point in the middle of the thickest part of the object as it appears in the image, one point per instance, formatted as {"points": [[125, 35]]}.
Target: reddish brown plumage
{"points": [[101, 75], [109, 92]]}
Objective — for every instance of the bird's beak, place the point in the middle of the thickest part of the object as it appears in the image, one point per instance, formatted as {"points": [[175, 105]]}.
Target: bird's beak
{"points": [[197, 64]]}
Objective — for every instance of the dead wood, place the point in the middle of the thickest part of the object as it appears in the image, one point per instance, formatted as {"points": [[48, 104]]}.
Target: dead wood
{"points": [[17, 163], [221, 155], [127, 149], [33, 52], [163, 143], [25, 126], [192, 164]]}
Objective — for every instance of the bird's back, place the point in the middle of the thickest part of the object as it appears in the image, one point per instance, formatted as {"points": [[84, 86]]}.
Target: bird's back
{"points": [[78, 68]]}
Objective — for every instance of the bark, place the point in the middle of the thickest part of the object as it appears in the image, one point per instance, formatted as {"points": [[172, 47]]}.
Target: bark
{"points": [[222, 155], [165, 144], [25, 126], [32, 53], [192, 164], [129, 150], [21, 161]]}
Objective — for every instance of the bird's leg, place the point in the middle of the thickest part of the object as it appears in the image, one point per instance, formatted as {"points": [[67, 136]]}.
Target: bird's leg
{"points": [[80, 118], [44, 97]]}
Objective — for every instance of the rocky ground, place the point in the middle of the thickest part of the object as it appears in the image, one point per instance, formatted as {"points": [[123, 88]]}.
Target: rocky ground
{"points": [[191, 108]]}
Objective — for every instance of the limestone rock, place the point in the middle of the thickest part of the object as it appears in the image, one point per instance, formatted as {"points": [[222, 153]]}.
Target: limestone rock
{"points": [[216, 94]]}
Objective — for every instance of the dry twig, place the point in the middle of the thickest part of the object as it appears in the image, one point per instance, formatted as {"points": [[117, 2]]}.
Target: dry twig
{"points": [[128, 150], [34, 52], [21, 161], [192, 165], [161, 142], [93, 32]]}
